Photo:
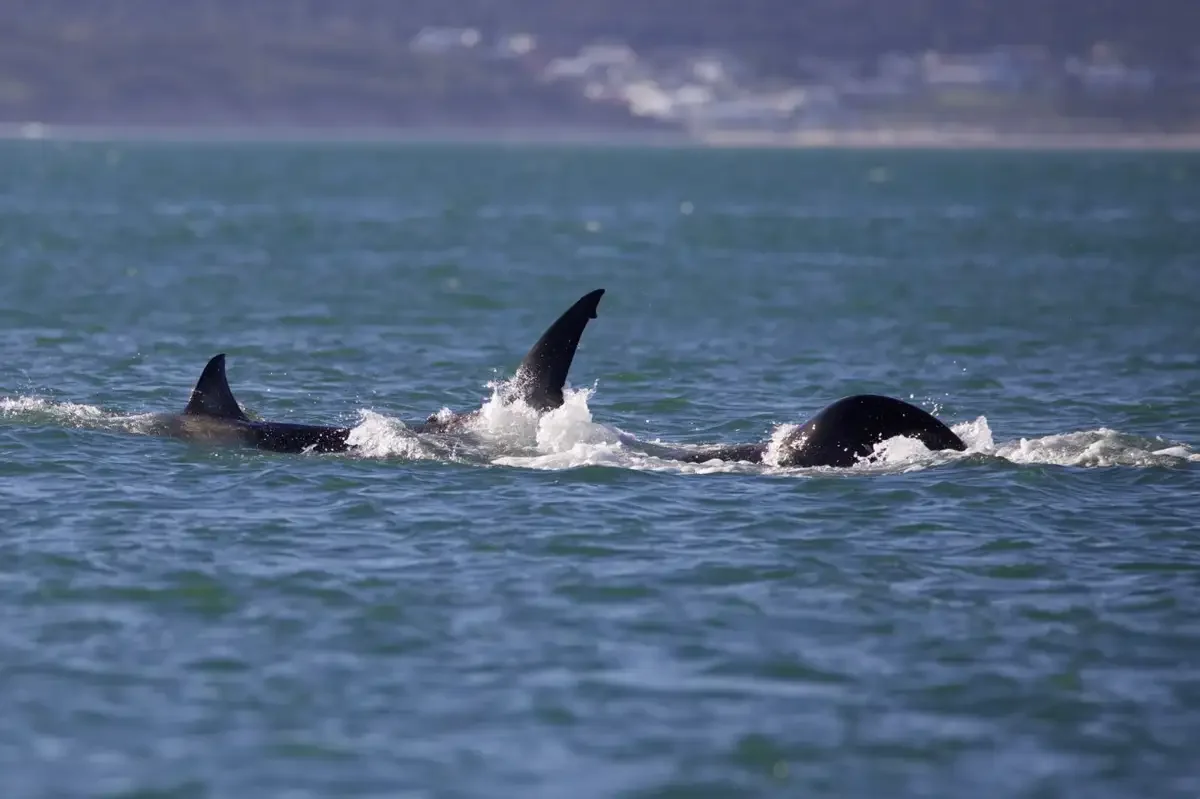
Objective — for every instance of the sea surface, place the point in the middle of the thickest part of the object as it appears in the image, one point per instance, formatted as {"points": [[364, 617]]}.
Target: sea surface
{"points": [[547, 608]]}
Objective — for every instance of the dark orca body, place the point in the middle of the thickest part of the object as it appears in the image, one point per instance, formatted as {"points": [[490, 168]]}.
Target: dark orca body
{"points": [[214, 415], [842, 433]]}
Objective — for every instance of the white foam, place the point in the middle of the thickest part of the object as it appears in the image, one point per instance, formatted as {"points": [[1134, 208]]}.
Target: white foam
{"points": [[64, 412], [899, 454], [977, 435], [565, 437], [378, 436], [1088, 448], [505, 426], [1095, 448], [782, 433]]}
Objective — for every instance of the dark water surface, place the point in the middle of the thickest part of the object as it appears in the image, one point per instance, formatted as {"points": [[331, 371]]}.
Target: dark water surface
{"points": [[552, 611]]}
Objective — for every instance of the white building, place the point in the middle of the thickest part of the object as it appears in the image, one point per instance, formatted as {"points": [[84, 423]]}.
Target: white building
{"points": [[515, 45], [437, 41]]}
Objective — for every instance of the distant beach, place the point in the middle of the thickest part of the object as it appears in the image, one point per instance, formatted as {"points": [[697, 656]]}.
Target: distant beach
{"points": [[943, 139]]}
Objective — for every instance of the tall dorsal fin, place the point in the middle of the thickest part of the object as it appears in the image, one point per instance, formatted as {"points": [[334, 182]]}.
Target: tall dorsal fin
{"points": [[542, 374], [212, 396]]}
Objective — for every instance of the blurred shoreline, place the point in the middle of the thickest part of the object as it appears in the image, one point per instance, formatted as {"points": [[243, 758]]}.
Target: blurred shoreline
{"points": [[955, 139], [550, 135]]}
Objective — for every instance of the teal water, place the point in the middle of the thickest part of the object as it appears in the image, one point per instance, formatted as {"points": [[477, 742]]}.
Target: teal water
{"points": [[553, 611]]}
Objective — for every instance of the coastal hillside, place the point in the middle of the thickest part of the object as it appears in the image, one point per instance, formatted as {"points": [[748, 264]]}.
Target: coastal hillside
{"points": [[501, 62]]}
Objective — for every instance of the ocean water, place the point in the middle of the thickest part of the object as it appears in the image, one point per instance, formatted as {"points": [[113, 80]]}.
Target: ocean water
{"points": [[548, 609]]}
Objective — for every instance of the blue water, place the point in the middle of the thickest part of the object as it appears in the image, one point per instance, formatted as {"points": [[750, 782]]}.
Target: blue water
{"points": [[548, 609]]}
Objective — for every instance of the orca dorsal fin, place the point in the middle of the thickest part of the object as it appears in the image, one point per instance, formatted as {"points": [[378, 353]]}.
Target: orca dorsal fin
{"points": [[542, 374], [212, 395]]}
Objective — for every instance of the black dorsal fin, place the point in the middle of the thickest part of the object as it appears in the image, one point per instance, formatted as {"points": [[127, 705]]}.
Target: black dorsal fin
{"points": [[212, 396], [542, 374]]}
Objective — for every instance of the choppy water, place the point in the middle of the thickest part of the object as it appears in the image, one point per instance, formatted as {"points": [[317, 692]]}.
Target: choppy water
{"points": [[553, 611]]}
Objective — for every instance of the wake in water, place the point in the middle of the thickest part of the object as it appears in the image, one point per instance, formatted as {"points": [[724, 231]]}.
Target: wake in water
{"points": [[533, 421], [512, 434]]}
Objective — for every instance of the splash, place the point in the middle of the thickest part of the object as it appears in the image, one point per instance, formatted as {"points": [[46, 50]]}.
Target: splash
{"points": [[1096, 448], [565, 437], [1088, 449], [38, 409], [783, 434], [569, 438], [377, 436]]}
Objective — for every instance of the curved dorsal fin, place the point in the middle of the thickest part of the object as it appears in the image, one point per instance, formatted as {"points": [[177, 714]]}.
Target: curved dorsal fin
{"points": [[212, 395], [542, 374]]}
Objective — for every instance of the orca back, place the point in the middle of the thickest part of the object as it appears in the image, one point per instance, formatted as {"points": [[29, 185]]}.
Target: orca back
{"points": [[849, 429]]}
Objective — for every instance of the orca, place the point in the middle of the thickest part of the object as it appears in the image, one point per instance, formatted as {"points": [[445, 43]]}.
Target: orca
{"points": [[841, 434], [214, 415]]}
